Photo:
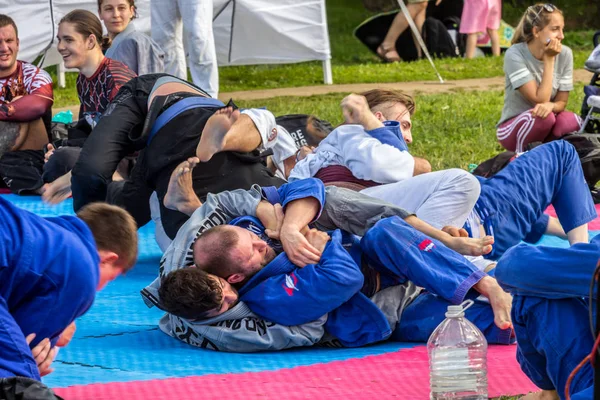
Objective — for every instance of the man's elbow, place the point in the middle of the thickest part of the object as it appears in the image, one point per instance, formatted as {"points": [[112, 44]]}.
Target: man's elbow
{"points": [[354, 279], [422, 166]]}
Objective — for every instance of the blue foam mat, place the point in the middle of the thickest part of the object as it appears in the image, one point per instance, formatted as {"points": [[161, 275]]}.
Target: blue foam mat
{"points": [[118, 339]]}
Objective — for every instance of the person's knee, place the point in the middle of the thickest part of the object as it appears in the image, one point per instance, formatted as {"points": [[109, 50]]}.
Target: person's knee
{"points": [[566, 122], [545, 124], [509, 268], [386, 230], [563, 151], [87, 184], [466, 182], [61, 162]]}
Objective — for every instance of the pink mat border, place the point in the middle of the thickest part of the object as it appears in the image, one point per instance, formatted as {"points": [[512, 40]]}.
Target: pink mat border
{"points": [[402, 374]]}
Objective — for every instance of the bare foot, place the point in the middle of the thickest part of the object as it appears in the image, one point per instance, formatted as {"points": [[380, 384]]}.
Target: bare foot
{"points": [[543, 395], [470, 246], [58, 191], [213, 137], [66, 335], [500, 301], [180, 194]]}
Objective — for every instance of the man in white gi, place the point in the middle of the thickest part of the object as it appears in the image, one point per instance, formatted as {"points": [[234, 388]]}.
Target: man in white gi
{"points": [[370, 154]]}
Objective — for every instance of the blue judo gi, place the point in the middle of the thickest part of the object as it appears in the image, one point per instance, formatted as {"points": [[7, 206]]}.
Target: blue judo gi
{"points": [[287, 295], [550, 288], [49, 271], [512, 203]]}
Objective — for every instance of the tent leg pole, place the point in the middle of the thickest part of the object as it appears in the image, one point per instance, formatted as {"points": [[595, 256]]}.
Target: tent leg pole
{"points": [[417, 34], [62, 82], [327, 74]]}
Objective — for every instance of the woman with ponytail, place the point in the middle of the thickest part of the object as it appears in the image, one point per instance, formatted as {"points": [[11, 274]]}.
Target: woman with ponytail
{"points": [[81, 45], [138, 51], [539, 77]]}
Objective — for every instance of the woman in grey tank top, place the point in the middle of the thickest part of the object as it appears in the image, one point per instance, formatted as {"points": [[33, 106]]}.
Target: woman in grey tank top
{"points": [[539, 77]]}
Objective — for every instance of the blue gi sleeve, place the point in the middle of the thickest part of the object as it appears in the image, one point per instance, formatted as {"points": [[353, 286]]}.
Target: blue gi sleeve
{"points": [[306, 294], [390, 134], [301, 189]]}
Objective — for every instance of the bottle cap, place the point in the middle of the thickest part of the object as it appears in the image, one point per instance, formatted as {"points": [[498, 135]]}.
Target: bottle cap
{"points": [[459, 310]]}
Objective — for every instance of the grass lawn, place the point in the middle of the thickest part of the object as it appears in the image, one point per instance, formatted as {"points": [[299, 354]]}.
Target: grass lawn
{"points": [[451, 130], [351, 62]]}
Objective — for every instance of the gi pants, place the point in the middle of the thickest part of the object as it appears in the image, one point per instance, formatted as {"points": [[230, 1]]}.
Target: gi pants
{"points": [[514, 200], [401, 253]]}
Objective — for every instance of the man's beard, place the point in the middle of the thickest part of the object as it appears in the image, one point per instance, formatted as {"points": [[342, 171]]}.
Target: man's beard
{"points": [[271, 254]]}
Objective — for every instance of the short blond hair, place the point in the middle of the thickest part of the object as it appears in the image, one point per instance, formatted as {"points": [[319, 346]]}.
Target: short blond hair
{"points": [[114, 229], [379, 99]]}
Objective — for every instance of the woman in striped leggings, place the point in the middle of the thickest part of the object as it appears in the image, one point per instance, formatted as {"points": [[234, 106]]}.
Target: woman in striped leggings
{"points": [[539, 77]]}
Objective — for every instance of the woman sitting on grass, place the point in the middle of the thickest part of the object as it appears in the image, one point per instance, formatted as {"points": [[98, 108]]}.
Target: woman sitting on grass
{"points": [[539, 77], [134, 49], [81, 46]]}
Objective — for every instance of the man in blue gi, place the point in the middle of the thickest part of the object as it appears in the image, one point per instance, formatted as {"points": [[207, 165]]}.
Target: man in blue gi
{"points": [[50, 269], [551, 314], [331, 280]]}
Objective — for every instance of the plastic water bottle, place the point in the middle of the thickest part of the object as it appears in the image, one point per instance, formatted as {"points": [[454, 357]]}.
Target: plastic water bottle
{"points": [[457, 358]]}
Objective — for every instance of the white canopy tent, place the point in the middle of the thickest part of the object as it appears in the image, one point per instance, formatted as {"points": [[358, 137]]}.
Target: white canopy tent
{"points": [[246, 31]]}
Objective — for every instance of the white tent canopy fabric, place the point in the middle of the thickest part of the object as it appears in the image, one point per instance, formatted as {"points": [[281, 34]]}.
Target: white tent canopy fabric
{"points": [[246, 31]]}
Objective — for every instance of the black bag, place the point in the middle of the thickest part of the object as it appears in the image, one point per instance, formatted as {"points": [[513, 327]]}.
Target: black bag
{"points": [[21, 170], [304, 129], [20, 388], [452, 24], [588, 149], [491, 167], [59, 131], [437, 39], [435, 35]]}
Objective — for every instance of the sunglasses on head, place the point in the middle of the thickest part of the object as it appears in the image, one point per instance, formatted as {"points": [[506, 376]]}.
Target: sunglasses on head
{"points": [[550, 8]]}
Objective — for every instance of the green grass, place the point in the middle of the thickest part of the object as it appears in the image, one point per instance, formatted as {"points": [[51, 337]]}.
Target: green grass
{"points": [[451, 130], [351, 62]]}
